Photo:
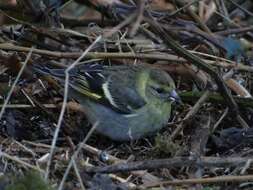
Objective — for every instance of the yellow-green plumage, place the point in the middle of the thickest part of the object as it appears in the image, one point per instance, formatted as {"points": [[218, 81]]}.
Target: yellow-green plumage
{"points": [[128, 101]]}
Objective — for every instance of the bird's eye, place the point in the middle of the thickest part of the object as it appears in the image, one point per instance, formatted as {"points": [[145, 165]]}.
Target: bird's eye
{"points": [[159, 90]]}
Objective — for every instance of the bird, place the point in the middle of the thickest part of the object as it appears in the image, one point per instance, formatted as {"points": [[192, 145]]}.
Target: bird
{"points": [[129, 102]]}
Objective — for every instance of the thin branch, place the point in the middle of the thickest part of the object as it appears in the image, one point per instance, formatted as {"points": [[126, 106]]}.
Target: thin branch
{"points": [[171, 163], [191, 113], [127, 55], [75, 155], [21, 162], [66, 85], [219, 179]]}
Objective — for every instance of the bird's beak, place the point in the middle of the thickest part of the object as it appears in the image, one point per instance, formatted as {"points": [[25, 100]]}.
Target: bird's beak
{"points": [[174, 97]]}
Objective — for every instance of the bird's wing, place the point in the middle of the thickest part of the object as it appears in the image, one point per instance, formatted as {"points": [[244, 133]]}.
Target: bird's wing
{"points": [[120, 90], [113, 86], [116, 85]]}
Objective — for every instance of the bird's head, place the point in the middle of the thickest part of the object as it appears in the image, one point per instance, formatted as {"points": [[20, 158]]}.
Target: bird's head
{"points": [[160, 85]]}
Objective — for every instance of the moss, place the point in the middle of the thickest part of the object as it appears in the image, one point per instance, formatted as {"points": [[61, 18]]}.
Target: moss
{"points": [[30, 181], [164, 146]]}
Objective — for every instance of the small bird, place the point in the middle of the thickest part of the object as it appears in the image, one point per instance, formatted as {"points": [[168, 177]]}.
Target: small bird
{"points": [[129, 102]]}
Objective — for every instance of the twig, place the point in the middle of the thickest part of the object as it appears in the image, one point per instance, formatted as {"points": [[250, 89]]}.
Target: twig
{"points": [[235, 31], [124, 55], [78, 175], [194, 16], [41, 145], [130, 185], [214, 97], [186, 6], [219, 179], [17, 160], [191, 113], [246, 166], [25, 148], [23, 106], [65, 98], [113, 159], [119, 26], [238, 88], [171, 163], [75, 156], [220, 120], [141, 8], [242, 8]]}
